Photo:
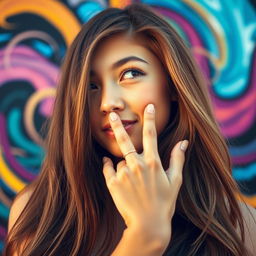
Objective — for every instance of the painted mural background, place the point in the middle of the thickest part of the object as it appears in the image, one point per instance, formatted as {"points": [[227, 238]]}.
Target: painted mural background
{"points": [[35, 34]]}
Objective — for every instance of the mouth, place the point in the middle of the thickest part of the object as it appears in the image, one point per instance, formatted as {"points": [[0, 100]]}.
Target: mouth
{"points": [[128, 125]]}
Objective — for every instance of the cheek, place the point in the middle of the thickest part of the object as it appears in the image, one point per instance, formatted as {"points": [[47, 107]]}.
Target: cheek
{"points": [[161, 103], [94, 118]]}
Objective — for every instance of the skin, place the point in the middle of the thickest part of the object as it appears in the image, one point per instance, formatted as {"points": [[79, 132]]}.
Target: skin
{"points": [[143, 192], [126, 89]]}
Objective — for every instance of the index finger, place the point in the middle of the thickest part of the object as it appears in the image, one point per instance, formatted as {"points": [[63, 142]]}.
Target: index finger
{"points": [[123, 140]]}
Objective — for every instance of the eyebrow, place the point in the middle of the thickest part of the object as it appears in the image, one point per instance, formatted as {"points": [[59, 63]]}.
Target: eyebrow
{"points": [[123, 61]]}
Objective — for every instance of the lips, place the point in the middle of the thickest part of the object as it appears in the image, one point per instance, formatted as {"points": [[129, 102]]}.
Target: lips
{"points": [[126, 124]]}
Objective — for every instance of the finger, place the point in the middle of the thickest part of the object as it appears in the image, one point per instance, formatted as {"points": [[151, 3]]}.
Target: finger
{"points": [[123, 173], [120, 165], [108, 169], [149, 132], [123, 140], [174, 172]]}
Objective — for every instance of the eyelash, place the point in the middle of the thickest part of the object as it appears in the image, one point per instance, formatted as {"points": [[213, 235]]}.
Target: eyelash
{"points": [[139, 73]]}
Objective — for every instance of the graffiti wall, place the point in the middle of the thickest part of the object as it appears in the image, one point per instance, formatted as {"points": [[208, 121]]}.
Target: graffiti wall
{"points": [[35, 34]]}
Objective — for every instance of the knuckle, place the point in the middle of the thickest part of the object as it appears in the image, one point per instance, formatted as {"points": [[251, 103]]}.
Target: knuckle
{"points": [[138, 166], [122, 138], [153, 163], [121, 164], [149, 117], [106, 170], [178, 154], [124, 174], [112, 182], [150, 132]]}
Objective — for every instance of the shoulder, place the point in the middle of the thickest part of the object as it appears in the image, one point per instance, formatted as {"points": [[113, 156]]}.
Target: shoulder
{"points": [[18, 205], [249, 218]]}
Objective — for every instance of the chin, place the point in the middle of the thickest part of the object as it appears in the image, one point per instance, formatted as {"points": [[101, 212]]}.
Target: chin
{"points": [[115, 152]]}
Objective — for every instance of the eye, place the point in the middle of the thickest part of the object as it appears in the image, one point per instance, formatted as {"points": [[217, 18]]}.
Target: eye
{"points": [[132, 73], [93, 86]]}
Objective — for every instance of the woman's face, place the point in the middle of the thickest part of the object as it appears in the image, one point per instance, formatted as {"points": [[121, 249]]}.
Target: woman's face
{"points": [[125, 77]]}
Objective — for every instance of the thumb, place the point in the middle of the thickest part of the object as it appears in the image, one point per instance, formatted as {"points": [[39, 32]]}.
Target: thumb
{"points": [[174, 172]]}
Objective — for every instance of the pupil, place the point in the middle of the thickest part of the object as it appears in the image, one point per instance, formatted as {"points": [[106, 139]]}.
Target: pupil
{"points": [[134, 72]]}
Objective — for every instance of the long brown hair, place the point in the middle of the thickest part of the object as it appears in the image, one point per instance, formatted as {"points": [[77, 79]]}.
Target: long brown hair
{"points": [[71, 210]]}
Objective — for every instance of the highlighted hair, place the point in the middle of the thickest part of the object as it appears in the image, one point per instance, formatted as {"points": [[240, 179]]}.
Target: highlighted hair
{"points": [[71, 211]]}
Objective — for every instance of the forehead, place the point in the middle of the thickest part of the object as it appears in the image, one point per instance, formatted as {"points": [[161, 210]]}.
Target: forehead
{"points": [[117, 47]]}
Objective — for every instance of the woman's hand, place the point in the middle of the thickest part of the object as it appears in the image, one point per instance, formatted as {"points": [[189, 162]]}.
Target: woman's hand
{"points": [[144, 194]]}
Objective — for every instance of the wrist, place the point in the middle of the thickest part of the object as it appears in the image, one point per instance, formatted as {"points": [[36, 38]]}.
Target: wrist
{"points": [[160, 227], [157, 235]]}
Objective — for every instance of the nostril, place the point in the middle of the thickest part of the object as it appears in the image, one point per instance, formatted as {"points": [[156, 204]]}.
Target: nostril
{"points": [[112, 106]]}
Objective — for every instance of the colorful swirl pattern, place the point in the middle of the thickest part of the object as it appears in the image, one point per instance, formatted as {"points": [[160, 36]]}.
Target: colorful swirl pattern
{"points": [[34, 36]]}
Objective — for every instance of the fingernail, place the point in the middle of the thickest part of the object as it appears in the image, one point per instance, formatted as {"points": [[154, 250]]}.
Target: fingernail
{"points": [[150, 109], [184, 145], [113, 116], [104, 160]]}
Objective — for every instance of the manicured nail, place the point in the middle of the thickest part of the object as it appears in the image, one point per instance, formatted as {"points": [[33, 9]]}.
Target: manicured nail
{"points": [[184, 145], [104, 160], [150, 109], [113, 116]]}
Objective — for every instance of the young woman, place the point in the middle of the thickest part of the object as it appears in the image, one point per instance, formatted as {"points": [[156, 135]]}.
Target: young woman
{"points": [[135, 163]]}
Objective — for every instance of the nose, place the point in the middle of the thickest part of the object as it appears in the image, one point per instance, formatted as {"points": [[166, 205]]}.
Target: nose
{"points": [[112, 99]]}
